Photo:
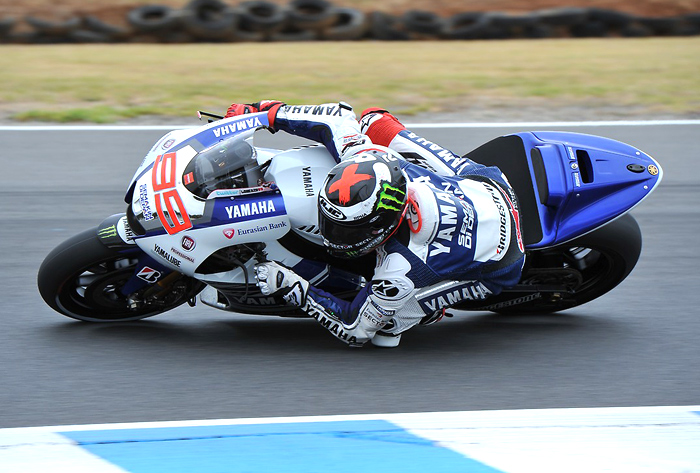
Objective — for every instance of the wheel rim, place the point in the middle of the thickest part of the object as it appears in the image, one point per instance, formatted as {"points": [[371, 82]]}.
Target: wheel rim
{"points": [[96, 289], [94, 293]]}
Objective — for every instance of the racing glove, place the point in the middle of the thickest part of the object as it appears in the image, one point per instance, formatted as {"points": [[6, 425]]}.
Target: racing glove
{"points": [[240, 109], [277, 280], [269, 106]]}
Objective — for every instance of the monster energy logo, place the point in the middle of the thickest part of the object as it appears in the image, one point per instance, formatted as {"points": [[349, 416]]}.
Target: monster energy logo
{"points": [[389, 198], [108, 232]]}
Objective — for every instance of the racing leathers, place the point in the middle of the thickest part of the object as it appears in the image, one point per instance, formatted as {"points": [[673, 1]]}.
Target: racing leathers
{"points": [[461, 240]]}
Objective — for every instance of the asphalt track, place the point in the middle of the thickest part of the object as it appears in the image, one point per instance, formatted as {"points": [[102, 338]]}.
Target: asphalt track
{"points": [[637, 346]]}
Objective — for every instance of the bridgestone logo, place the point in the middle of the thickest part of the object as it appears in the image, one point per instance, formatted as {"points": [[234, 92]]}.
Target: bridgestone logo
{"points": [[516, 301]]}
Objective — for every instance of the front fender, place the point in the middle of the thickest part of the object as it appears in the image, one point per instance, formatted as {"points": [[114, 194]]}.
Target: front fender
{"points": [[115, 232]]}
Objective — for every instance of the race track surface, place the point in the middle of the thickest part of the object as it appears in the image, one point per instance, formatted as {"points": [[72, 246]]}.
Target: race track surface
{"points": [[637, 346]]}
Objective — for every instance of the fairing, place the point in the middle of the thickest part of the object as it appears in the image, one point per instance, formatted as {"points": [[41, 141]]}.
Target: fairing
{"points": [[583, 181]]}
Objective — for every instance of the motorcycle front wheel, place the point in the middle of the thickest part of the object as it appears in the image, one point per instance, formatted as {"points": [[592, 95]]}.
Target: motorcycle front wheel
{"points": [[82, 279]]}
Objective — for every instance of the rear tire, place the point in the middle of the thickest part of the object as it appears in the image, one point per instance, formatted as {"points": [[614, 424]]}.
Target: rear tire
{"points": [[604, 258], [82, 278]]}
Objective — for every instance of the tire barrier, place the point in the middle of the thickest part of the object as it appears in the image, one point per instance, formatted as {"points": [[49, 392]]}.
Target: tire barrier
{"points": [[209, 20], [310, 20]]}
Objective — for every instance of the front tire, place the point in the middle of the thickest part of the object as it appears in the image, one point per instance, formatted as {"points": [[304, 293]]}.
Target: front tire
{"points": [[82, 279]]}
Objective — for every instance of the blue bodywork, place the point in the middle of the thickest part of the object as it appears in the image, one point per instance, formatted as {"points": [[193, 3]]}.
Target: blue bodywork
{"points": [[584, 181]]}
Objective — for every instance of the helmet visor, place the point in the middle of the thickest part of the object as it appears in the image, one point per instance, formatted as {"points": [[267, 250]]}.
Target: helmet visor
{"points": [[356, 238]]}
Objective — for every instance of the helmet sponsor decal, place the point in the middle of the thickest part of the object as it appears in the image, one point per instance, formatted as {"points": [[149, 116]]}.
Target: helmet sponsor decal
{"points": [[390, 198], [330, 210], [346, 182]]}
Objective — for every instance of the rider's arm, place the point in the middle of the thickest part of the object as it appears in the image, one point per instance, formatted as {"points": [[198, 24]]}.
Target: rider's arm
{"points": [[385, 129], [332, 124], [354, 322]]}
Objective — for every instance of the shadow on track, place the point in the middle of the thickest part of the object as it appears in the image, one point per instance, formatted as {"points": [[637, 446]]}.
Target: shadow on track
{"points": [[464, 333]]}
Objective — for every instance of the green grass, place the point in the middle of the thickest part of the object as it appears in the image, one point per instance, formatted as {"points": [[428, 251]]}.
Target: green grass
{"points": [[105, 83]]}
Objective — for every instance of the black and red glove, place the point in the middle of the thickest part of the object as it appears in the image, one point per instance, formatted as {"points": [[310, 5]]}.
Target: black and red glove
{"points": [[269, 106], [240, 109]]}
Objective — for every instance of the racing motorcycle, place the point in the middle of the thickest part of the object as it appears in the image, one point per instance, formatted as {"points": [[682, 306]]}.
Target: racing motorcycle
{"points": [[187, 234]]}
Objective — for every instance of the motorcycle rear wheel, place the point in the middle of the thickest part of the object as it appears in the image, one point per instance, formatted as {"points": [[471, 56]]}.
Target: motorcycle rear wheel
{"points": [[602, 258], [81, 278]]}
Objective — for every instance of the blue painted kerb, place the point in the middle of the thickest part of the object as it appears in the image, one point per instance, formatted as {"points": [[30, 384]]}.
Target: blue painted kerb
{"points": [[366, 446]]}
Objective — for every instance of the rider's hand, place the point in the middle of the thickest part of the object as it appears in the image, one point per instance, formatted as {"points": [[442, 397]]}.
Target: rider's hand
{"points": [[271, 107], [275, 279], [240, 109]]}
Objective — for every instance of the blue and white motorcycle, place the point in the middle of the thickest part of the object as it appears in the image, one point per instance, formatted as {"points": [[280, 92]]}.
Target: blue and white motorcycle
{"points": [[183, 237]]}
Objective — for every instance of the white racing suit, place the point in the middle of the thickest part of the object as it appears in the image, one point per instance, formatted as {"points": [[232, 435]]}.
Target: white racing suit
{"points": [[464, 240]]}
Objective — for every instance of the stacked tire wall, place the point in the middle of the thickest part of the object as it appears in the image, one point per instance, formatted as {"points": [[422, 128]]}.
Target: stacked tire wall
{"points": [[319, 20]]}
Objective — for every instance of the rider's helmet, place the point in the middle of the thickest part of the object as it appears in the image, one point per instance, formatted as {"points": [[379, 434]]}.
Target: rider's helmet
{"points": [[227, 164], [362, 202]]}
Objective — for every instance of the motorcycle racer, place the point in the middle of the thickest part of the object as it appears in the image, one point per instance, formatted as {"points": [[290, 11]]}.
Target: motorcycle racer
{"points": [[445, 229]]}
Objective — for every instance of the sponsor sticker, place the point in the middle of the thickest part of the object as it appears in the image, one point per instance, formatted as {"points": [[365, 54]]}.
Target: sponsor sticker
{"points": [[149, 275], [577, 179], [188, 243]]}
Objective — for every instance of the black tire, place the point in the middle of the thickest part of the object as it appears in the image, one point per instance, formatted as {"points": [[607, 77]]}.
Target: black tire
{"points": [[604, 258], [351, 25], [87, 36], [610, 18], [662, 26], [260, 15], [423, 22], [468, 25], [385, 27], [153, 18], [504, 20], [539, 31], [562, 16], [209, 19], [312, 14], [291, 34], [81, 278], [114, 32], [590, 29], [53, 28], [6, 25], [636, 30]]}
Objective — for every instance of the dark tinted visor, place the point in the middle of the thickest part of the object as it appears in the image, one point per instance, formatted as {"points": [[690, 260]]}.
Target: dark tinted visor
{"points": [[358, 234]]}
